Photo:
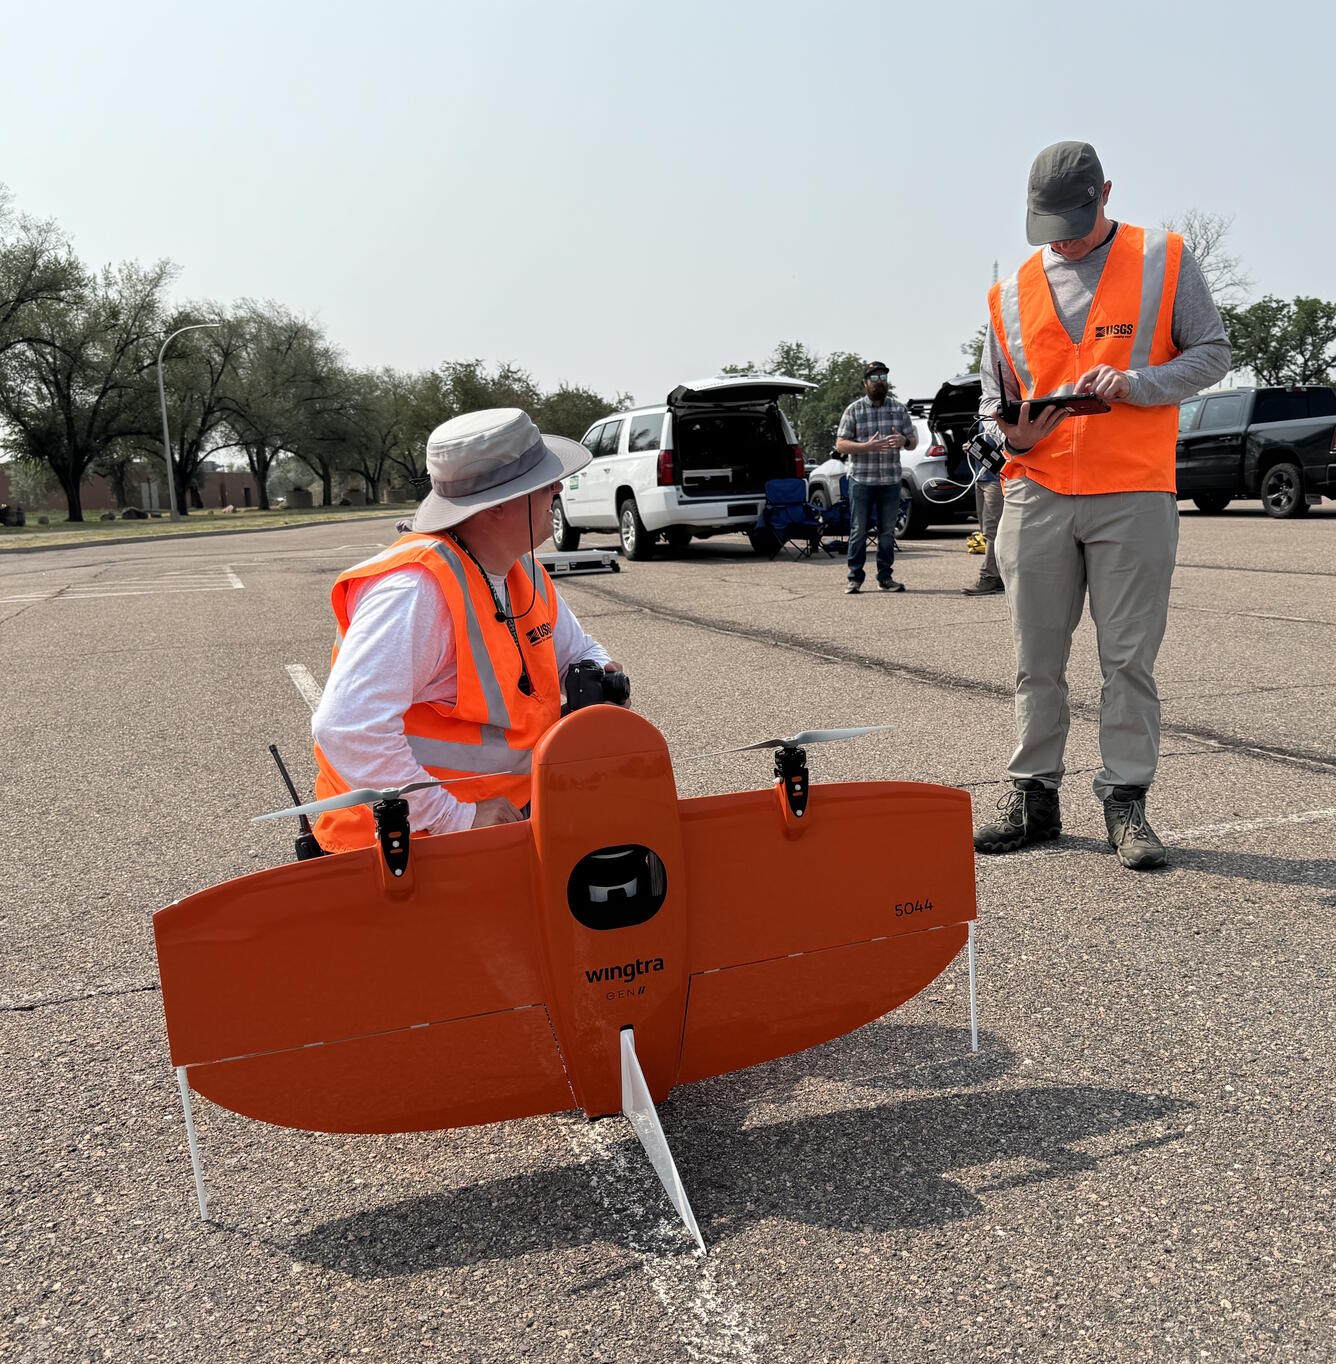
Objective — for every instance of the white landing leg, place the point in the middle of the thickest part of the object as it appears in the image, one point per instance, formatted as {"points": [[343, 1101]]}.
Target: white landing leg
{"points": [[974, 997], [190, 1137], [639, 1108]]}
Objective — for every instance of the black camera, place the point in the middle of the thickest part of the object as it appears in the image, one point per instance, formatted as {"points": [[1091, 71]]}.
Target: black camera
{"points": [[986, 451], [588, 685]]}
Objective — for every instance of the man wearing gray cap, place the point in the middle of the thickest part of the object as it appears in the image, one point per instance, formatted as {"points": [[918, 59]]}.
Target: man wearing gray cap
{"points": [[453, 642], [1121, 313]]}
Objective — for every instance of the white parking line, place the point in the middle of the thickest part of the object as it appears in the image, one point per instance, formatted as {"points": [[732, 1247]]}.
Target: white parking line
{"points": [[1247, 826], [177, 580], [309, 688], [705, 1312]]}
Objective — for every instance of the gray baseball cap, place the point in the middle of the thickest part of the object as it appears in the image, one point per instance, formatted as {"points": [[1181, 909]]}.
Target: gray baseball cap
{"points": [[1066, 182]]}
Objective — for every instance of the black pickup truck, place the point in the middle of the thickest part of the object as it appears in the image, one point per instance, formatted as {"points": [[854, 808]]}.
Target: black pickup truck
{"points": [[1278, 444]]}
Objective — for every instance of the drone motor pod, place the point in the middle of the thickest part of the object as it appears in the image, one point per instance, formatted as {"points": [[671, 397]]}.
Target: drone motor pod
{"points": [[791, 780], [392, 834]]}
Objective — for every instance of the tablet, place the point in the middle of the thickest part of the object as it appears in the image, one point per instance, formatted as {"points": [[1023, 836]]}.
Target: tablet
{"points": [[1080, 404]]}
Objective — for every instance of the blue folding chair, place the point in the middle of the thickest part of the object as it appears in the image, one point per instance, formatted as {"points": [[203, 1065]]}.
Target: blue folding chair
{"points": [[787, 519]]}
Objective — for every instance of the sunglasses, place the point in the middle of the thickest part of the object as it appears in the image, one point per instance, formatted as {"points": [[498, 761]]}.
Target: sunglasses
{"points": [[877, 378]]}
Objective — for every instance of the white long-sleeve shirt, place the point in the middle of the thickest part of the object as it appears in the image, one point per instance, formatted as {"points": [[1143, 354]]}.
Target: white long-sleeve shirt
{"points": [[399, 649]]}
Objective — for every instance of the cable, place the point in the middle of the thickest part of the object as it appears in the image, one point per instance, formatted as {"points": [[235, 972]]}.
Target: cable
{"points": [[969, 488]]}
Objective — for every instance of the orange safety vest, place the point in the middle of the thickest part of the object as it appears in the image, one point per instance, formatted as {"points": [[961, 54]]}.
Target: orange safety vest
{"points": [[493, 726], [1130, 449]]}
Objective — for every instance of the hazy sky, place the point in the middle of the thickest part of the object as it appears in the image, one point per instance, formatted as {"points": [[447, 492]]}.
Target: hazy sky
{"points": [[626, 196]]}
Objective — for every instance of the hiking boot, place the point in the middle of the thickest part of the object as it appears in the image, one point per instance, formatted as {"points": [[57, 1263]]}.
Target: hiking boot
{"points": [[1130, 835], [1030, 814], [984, 586], [851, 587], [888, 584]]}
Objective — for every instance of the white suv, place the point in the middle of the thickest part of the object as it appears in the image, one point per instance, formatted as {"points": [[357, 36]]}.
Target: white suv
{"points": [[695, 466]]}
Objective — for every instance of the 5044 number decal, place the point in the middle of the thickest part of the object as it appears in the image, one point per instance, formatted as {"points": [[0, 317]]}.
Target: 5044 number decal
{"points": [[905, 907]]}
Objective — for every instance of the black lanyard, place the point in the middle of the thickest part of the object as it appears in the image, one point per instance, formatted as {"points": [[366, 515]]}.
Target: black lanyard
{"points": [[525, 685]]}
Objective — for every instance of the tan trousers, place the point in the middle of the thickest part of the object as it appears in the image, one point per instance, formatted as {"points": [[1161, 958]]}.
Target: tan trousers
{"points": [[1050, 549], [988, 506]]}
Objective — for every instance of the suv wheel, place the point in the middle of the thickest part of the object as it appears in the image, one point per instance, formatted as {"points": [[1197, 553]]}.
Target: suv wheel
{"points": [[910, 521], [817, 499], [564, 535], [636, 540], [1282, 491], [1211, 503]]}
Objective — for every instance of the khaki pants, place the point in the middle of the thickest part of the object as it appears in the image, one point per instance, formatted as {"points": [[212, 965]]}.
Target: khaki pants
{"points": [[988, 506], [1050, 549]]}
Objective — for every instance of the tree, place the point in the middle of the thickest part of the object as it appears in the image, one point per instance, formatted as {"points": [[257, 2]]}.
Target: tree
{"points": [[79, 382], [374, 424], [570, 411], [839, 382], [282, 386], [1204, 235], [972, 350], [197, 369], [1284, 343], [37, 265]]}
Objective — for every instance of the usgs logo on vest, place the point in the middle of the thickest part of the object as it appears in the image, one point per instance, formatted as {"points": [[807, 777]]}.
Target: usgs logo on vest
{"points": [[1114, 329]]}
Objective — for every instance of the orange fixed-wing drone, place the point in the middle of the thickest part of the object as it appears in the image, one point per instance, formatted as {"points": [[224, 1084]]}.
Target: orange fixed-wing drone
{"points": [[617, 943]]}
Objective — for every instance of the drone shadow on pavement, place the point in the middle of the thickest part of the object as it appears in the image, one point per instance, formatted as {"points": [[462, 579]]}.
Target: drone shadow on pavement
{"points": [[878, 1164]]}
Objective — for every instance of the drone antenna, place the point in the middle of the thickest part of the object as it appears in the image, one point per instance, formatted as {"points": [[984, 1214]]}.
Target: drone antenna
{"points": [[307, 846]]}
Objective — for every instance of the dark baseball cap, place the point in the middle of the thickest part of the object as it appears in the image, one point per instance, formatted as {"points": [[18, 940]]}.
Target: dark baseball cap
{"points": [[874, 367], [1066, 182]]}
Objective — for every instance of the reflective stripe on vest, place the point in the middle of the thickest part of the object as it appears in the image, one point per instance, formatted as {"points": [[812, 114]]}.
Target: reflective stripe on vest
{"points": [[1130, 449], [488, 734]]}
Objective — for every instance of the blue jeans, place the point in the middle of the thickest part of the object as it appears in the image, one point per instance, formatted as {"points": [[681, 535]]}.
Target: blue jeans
{"points": [[862, 496]]}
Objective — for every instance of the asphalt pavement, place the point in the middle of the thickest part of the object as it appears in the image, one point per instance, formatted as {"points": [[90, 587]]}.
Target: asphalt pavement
{"points": [[1138, 1163]]}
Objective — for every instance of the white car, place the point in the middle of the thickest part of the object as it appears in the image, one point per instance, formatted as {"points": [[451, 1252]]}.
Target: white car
{"points": [[696, 465], [928, 493]]}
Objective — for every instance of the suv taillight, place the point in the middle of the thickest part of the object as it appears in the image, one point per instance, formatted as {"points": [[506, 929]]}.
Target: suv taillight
{"points": [[937, 452], [665, 478], [799, 468]]}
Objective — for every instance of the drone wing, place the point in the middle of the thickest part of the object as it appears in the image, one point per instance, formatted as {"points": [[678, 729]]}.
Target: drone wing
{"points": [[316, 996], [799, 935]]}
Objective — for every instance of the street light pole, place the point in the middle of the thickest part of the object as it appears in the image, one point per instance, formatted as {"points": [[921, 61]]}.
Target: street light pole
{"points": [[162, 394]]}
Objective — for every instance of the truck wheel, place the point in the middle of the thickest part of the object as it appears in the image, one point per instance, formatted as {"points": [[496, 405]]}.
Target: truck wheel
{"points": [[1211, 503], [1282, 491], [816, 498], [564, 535], [636, 540]]}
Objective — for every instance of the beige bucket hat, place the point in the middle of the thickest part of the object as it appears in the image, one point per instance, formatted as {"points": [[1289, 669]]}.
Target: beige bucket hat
{"points": [[483, 459]]}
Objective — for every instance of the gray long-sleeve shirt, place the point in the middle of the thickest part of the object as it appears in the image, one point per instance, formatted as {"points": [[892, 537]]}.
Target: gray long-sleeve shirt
{"points": [[1196, 329]]}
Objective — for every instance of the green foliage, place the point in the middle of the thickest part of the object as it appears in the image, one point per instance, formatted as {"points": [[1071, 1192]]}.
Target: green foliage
{"points": [[839, 382], [37, 266], [80, 379], [1284, 343], [815, 415], [30, 482], [570, 411], [972, 350]]}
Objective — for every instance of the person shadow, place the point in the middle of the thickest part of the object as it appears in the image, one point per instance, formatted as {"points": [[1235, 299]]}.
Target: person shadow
{"points": [[1265, 868], [890, 1156]]}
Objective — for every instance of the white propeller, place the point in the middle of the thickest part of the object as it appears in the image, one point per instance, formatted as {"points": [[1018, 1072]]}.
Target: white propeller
{"points": [[364, 795], [808, 736]]}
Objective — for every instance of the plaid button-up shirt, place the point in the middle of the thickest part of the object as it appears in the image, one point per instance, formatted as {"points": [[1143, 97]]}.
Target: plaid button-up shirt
{"points": [[861, 421]]}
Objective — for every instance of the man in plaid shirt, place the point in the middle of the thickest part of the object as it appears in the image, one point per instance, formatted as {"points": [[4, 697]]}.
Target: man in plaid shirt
{"points": [[872, 433]]}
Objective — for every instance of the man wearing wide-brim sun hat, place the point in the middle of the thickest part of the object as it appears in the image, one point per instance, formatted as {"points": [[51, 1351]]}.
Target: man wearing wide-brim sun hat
{"points": [[453, 642]]}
